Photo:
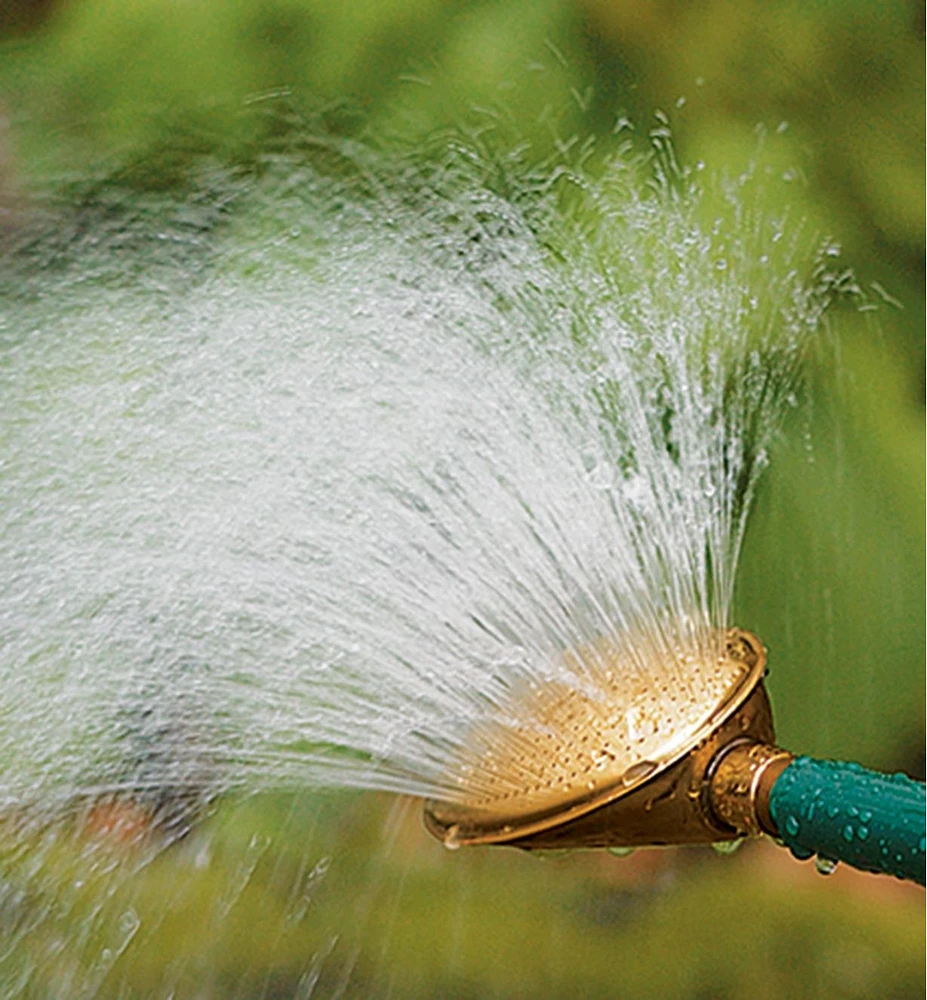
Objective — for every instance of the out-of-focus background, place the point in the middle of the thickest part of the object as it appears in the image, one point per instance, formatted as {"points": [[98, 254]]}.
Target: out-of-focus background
{"points": [[132, 92]]}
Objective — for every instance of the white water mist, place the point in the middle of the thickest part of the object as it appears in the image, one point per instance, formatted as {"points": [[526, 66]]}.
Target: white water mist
{"points": [[302, 500]]}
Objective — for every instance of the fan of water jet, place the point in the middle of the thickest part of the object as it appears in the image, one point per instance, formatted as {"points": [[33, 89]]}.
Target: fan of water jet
{"points": [[314, 513]]}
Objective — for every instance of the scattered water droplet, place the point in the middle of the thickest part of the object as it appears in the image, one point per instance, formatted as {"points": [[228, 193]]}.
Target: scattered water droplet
{"points": [[847, 833], [791, 825]]}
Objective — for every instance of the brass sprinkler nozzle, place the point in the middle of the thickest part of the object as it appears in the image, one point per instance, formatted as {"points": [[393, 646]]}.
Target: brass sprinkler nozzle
{"points": [[566, 783]]}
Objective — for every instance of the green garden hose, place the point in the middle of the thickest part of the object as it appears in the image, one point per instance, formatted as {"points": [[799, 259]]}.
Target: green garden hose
{"points": [[843, 812]]}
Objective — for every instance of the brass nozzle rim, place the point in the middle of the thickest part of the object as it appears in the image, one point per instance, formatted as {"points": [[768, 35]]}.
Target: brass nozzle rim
{"points": [[458, 824]]}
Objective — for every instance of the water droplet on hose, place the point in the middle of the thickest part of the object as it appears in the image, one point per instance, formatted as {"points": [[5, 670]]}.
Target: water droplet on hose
{"points": [[824, 866]]}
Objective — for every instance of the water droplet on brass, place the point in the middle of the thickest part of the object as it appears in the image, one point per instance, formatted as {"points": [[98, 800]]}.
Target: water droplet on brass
{"points": [[727, 846], [638, 772]]}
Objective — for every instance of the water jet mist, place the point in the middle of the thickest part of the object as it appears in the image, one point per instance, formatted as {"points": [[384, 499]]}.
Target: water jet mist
{"points": [[376, 459]]}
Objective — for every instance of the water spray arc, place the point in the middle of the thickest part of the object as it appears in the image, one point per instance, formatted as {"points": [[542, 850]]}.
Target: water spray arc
{"points": [[423, 479], [681, 748], [716, 781]]}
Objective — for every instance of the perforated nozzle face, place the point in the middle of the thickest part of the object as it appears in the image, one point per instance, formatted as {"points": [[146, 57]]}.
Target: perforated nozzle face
{"points": [[577, 748]]}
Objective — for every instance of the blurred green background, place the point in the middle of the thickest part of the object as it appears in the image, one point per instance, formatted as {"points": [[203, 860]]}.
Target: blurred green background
{"points": [[343, 895]]}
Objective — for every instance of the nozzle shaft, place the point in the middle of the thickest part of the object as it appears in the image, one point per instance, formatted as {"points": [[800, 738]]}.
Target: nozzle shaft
{"points": [[740, 779]]}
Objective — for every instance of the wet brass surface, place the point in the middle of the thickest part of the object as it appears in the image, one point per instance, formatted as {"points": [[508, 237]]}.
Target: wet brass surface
{"points": [[664, 799], [739, 783]]}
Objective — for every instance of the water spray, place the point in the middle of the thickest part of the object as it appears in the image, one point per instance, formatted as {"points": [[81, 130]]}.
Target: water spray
{"points": [[430, 480]]}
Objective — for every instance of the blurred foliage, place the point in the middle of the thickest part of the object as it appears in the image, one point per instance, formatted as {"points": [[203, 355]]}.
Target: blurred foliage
{"points": [[277, 896], [120, 99]]}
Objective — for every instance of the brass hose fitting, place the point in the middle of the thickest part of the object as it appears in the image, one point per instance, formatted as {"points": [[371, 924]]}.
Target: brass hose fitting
{"points": [[624, 764], [740, 779], [708, 784]]}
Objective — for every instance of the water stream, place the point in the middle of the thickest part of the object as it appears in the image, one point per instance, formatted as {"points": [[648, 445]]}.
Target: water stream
{"points": [[305, 472]]}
